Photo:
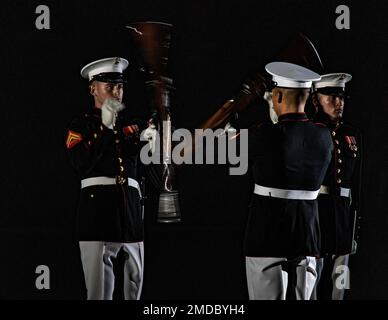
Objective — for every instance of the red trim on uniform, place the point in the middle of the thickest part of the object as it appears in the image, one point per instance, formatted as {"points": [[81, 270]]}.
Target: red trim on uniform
{"points": [[73, 138], [287, 113], [296, 120], [320, 124], [130, 130], [348, 139], [293, 116], [127, 130]]}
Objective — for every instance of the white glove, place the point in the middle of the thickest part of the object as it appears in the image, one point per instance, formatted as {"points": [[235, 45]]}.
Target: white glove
{"points": [[272, 113], [151, 134], [227, 129], [354, 247], [109, 110]]}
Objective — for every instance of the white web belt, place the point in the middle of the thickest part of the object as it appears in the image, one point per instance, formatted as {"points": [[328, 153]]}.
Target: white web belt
{"points": [[104, 181], [344, 192], [286, 194]]}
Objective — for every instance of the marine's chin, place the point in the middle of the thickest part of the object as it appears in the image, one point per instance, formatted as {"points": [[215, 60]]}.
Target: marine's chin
{"points": [[337, 116]]}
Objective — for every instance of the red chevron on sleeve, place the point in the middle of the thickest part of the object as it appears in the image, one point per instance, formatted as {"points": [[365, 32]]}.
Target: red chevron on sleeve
{"points": [[73, 138]]}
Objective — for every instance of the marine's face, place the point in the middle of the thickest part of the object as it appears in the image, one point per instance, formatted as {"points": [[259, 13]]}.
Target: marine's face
{"points": [[333, 106], [103, 90]]}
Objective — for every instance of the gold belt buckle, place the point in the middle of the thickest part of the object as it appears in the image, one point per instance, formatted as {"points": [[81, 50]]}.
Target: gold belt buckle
{"points": [[120, 180]]}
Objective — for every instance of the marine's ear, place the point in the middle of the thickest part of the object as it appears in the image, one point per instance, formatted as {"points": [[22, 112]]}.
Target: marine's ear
{"points": [[280, 96], [92, 89]]}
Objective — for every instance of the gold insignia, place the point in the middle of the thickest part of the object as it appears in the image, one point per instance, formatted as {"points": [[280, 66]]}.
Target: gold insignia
{"points": [[73, 138]]}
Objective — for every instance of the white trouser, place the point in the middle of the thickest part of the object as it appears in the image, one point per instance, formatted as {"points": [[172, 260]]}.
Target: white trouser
{"points": [[340, 277], [268, 277], [98, 268], [319, 268]]}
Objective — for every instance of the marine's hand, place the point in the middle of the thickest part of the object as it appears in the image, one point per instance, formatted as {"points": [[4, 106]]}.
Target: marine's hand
{"points": [[109, 110], [354, 247], [150, 134]]}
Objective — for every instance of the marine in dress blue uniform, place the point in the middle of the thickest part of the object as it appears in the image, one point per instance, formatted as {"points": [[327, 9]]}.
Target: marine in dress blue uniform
{"points": [[103, 149], [339, 199], [288, 160]]}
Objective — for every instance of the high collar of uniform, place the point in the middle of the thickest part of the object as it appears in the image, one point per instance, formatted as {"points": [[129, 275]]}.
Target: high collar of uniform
{"points": [[322, 117], [293, 116]]}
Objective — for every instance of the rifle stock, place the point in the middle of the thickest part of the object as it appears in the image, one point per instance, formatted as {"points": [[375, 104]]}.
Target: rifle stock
{"points": [[151, 41], [299, 51]]}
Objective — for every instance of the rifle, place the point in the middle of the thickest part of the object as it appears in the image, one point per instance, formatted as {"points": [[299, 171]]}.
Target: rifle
{"points": [[299, 51], [151, 41]]}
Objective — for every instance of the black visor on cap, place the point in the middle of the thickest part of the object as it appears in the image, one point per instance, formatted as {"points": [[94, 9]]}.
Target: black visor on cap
{"points": [[109, 77], [332, 91]]}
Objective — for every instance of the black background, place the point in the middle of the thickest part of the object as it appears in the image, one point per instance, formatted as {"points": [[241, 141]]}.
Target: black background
{"points": [[215, 45]]}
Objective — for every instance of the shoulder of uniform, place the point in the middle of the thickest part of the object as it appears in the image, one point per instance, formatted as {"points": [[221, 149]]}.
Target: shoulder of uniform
{"points": [[321, 127], [90, 116], [320, 124], [81, 122], [80, 118], [350, 129], [322, 130]]}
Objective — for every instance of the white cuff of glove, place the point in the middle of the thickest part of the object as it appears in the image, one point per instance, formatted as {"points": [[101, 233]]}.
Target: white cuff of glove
{"points": [[150, 134], [272, 114]]}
